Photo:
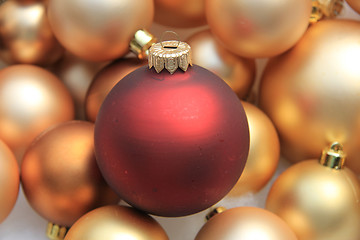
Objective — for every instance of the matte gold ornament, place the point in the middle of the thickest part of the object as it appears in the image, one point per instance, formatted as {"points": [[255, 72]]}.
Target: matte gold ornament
{"points": [[319, 200], [354, 4], [237, 72], [312, 92], [59, 174], [264, 153], [258, 29], [98, 30], [115, 223], [245, 223], [25, 34], [9, 181], [31, 100]]}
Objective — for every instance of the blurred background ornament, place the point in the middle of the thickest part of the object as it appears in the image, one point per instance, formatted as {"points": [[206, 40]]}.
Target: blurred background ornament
{"points": [[354, 4], [25, 34], [9, 181], [311, 92], [98, 30], [319, 200], [59, 174], [245, 223], [116, 222], [31, 100], [258, 29], [237, 72], [105, 80]]}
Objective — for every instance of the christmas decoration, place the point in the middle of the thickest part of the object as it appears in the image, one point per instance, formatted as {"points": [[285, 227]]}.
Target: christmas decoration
{"points": [[31, 100], [171, 141], [245, 223], [116, 222], [311, 92], [258, 29], [325, 9], [105, 80], [59, 174], [9, 181], [98, 30], [319, 201], [354, 4], [264, 153], [25, 34], [237, 72]]}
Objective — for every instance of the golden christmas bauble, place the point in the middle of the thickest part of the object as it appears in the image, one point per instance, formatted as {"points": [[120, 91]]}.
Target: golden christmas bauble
{"points": [[245, 223], [9, 181], [312, 92], [318, 202], [257, 29], [237, 72], [354, 4], [59, 174], [264, 153], [25, 34], [98, 30], [31, 100], [116, 223], [180, 13], [105, 80]]}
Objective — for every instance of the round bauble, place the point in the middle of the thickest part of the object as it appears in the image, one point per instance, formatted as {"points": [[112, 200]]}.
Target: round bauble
{"points": [[258, 29], [59, 174], [354, 4], [311, 92], [9, 181], [171, 144], [31, 100], [98, 30], [25, 34], [237, 72], [104, 81], [245, 223]]}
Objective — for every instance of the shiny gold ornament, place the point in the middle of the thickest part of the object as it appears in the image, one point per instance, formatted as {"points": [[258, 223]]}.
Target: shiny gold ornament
{"points": [[264, 153], [245, 223], [115, 223], [31, 100], [25, 34], [9, 181], [318, 201], [257, 29], [311, 93], [104, 81], [180, 13], [98, 30], [354, 4], [59, 174], [237, 72]]}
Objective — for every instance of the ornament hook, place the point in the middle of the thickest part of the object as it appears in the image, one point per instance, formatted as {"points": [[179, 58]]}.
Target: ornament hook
{"points": [[164, 43], [333, 157]]}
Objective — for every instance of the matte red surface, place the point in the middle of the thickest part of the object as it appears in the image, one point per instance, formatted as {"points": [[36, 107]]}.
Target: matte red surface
{"points": [[171, 145]]}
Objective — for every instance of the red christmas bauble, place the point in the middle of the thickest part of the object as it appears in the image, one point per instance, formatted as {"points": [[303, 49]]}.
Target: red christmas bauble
{"points": [[171, 144]]}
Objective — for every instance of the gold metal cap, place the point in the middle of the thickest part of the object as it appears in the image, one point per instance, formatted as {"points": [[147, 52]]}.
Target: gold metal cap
{"points": [[141, 43], [325, 8], [215, 212], [333, 157], [56, 232]]}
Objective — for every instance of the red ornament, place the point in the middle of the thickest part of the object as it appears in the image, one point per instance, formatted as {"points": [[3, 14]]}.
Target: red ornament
{"points": [[171, 144]]}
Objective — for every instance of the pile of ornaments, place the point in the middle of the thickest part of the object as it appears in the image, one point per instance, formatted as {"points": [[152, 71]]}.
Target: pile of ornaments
{"points": [[252, 106]]}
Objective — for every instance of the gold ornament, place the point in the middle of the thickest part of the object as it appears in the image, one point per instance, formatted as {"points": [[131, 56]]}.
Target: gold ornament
{"points": [[180, 13], [354, 4], [104, 81], [31, 100], [115, 223], [245, 223], [59, 174], [264, 153], [25, 34], [257, 29], [311, 93], [98, 30], [237, 72], [9, 181], [318, 201]]}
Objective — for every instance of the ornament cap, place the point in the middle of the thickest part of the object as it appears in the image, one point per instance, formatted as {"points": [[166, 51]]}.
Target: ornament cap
{"points": [[333, 157], [215, 212], [325, 8], [141, 43], [56, 232]]}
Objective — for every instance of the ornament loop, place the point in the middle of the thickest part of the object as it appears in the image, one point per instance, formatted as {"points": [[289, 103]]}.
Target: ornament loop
{"points": [[56, 232], [325, 8], [333, 157], [215, 212], [141, 43], [163, 43]]}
